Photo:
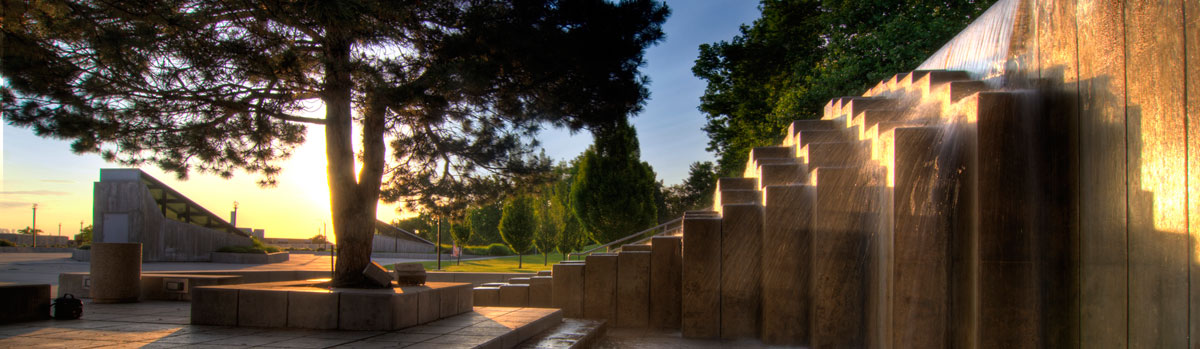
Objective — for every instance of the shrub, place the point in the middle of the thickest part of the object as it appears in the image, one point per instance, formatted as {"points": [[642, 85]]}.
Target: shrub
{"points": [[499, 250], [6, 243], [85, 247]]}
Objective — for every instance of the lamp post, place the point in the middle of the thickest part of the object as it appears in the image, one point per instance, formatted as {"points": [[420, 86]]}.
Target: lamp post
{"points": [[233, 215], [33, 229]]}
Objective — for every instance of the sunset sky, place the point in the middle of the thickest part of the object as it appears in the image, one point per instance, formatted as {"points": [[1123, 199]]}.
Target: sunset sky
{"points": [[44, 171]]}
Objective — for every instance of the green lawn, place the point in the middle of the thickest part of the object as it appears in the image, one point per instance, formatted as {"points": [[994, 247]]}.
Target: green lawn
{"points": [[532, 263]]}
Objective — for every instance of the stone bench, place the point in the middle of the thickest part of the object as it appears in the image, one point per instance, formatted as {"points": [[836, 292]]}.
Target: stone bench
{"points": [[24, 302], [178, 287]]}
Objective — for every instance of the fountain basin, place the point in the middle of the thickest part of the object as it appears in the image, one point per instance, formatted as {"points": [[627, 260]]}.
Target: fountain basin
{"points": [[308, 305]]}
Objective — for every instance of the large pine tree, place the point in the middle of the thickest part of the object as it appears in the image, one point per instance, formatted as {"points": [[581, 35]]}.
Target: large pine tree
{"points": [[457, 87]]}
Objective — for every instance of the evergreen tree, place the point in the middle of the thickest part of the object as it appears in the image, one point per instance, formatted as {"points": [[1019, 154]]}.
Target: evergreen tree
{"points": [[518, 224], [614, 191], [457, 87]]}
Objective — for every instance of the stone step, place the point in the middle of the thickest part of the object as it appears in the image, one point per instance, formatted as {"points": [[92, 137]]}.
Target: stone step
{"points": [[729, 183], [783, 174], [666, 274], [569, 283], [834, 154], [926, 82], [805, 137], [514, 295], [738, 196], [633, 247], [801, 125], [753, 168], [600, 286], [486, 296], [541, 292], [700, 297]]}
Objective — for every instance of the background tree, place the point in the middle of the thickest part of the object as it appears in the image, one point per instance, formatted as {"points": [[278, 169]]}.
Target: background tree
{"points": [[84, 237], [458, 86], [461, 232], [485, 223], [696, 191], [801, 53], [423, 225], [318, 239], [517, 225], [29, 231], [613, 192]]}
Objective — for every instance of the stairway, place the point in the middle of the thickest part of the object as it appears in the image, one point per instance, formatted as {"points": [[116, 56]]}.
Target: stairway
{"points": [[862, 229]]}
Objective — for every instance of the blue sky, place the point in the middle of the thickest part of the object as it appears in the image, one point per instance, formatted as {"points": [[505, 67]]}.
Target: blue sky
{"points": [[669, 130]]}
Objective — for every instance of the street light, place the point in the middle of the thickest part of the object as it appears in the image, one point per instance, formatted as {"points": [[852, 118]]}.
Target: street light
{"points": [[33, 229]]}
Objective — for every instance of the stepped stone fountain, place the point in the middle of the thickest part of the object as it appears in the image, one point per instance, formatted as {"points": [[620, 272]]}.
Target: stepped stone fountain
{"points": [[1034, 183]]}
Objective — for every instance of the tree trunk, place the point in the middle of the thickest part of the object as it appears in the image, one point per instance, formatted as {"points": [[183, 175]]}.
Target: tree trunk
{"points": [[519, 261], [353, 202]]}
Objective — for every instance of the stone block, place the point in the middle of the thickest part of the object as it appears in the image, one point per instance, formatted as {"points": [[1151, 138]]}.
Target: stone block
{"points": [[701, 293], [741, 271], [429, 305], [406, 307], [487, 296], [520, 280], [569, 289], [922, 230], [214, 306], [514, 295], [466, 302], [545, 273], [409, 274], [666, 275], [541, 291], [846, 215], [365, 310], [262, 308], [633, 289], [600, 286], [450, 299], [632, 247], [787, 232], [377, 275], [24, 302], [116, 270], [311, 309]]}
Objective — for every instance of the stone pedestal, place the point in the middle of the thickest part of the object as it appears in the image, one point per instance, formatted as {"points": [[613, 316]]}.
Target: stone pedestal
{"points": [[741, 270], [24, 302], [514, 295], [541, 291], [486, 296], [116, 271], [568, 289], [787, 232], [600, 286], [666, 275], [633, 289], [701, 292]]}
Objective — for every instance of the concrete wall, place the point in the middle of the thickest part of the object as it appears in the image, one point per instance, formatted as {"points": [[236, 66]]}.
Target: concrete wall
{"points": [[384, 243], [162, 239], [1122, 85], [42, 240]]}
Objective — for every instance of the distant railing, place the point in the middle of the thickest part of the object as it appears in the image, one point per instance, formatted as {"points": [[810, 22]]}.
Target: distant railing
{"points": [[671, 227]]}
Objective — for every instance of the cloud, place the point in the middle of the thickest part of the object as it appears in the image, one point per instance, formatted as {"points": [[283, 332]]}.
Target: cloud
{"points": [[36, 192], [11, 204], [57, 181]]}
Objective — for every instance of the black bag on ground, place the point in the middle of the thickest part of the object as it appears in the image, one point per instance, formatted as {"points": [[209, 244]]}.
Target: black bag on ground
{"points": [[67, 307]]}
